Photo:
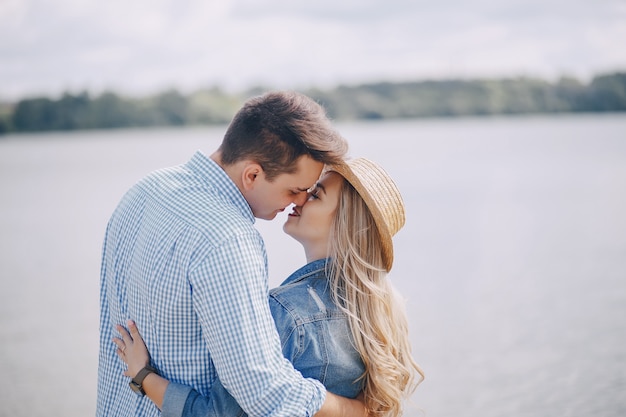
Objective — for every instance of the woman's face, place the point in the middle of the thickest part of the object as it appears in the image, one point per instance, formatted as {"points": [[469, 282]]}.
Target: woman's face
{"points": [[310, 224]]}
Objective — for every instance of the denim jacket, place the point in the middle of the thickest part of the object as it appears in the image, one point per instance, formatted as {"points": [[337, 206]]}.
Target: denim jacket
{"points": [[315, 337]]}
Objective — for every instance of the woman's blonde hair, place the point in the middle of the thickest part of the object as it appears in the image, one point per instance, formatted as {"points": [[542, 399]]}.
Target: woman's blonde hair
{"points": [[378, 322]]}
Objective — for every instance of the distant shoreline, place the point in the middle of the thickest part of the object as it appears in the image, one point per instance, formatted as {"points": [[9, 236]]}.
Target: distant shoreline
{"points": [[374, 101]]}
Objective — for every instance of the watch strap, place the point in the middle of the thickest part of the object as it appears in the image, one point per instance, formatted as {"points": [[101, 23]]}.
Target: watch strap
{"points": [[137, 381]]}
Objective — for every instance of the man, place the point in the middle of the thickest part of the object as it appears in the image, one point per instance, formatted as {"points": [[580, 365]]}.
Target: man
{"points": [[182, 258]]}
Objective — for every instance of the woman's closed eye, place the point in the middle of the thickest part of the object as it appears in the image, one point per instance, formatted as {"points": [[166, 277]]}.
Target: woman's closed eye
{"points": [[313, 196], [314, 192]]}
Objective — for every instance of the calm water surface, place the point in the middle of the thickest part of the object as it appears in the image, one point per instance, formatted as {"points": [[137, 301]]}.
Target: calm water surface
{"points": [[512, 261]]}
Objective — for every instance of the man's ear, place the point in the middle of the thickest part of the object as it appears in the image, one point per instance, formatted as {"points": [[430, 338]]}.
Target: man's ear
{"points": [[250, 175]]}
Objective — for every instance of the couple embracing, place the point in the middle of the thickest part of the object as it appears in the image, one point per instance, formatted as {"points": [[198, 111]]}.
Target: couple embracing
{"points": [[183, 264]]}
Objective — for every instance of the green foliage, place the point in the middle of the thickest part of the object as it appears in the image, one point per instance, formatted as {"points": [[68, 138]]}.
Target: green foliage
{"points": [[109, 110], [608, 92], [6, 111], [212, 106], [384, 100], [473, 98]]}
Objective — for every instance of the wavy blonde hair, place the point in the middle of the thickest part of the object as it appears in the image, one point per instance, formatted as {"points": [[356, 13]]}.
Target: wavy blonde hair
{"points": [[378, 322]]}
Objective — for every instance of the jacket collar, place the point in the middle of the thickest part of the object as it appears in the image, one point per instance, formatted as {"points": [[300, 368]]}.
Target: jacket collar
{"points": [[307, 270]]}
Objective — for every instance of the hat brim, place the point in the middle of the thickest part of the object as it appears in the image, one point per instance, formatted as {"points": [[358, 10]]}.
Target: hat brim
{"points": [[370, 180]]}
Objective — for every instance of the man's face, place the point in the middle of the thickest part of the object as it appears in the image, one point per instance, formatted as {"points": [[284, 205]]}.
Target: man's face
{"points": [[267, 199]]}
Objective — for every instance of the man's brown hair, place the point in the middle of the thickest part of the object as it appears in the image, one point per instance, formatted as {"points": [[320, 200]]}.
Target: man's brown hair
{"points": [[276, 129]]}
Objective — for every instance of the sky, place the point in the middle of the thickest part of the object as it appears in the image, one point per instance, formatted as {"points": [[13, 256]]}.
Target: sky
{"points": [[142, 47]]}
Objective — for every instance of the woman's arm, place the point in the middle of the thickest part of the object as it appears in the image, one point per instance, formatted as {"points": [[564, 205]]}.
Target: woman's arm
{"points": [[174, 400], [335, 406], [133, 351]]}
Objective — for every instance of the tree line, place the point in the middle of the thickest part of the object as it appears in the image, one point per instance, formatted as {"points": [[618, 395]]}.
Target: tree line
{"points": [[385, 100]]}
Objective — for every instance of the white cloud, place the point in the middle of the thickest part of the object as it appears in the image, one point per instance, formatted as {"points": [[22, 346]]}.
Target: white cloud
{"points": [[146, 45]]}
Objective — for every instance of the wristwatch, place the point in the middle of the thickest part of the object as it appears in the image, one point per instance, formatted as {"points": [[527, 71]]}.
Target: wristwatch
{"points": [[135, 383]]}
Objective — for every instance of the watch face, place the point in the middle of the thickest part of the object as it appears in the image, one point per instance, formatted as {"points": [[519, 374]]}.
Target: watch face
{"points": [[136, 387]]}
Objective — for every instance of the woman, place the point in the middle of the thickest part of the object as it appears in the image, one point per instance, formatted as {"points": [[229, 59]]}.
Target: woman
{"points": [[338, 318]]}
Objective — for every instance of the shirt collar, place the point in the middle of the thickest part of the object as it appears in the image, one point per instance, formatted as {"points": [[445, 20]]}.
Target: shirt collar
{"points": [[307, 270], [212, 173]]}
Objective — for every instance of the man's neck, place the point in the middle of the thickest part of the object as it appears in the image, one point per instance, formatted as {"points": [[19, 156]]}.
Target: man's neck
{"points": [[217, 158]]}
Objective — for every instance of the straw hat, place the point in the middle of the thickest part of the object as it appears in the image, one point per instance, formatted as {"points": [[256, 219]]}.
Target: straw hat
{"points": [[382, 197]]}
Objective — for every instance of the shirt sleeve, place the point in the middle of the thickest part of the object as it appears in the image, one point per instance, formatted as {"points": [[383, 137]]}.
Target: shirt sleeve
{"points": [[183, 401], [230, 297]]}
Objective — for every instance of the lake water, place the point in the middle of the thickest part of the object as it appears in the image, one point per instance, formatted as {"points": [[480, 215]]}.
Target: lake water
{"points": [[512, 261]]}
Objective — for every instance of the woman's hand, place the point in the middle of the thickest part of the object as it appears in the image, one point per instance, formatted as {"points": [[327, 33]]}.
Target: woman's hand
{"points": [[131, 349]]}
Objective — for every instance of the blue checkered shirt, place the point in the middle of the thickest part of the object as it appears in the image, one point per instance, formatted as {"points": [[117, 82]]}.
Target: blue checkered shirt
{"points": [[182, 258]]}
